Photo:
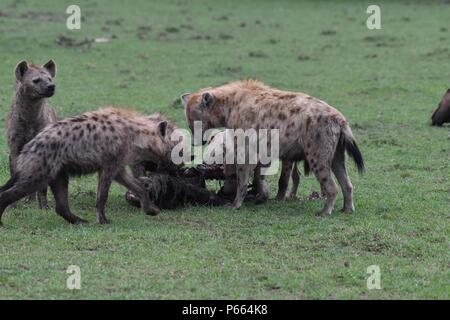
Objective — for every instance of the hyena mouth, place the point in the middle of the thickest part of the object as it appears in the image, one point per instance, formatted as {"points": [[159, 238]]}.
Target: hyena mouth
{"points": [[49, 93]]}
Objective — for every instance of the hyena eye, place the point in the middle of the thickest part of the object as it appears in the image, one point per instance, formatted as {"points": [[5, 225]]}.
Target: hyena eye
{"points": [[37, 80]]}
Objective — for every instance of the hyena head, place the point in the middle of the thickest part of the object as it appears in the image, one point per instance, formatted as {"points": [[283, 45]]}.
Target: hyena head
{"points": [[159, 143], [204, 106], [442, 113], [36, 82], [171, 127]]}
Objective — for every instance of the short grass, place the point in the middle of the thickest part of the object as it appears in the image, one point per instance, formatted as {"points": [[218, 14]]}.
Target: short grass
{"points": [[387, 82]]}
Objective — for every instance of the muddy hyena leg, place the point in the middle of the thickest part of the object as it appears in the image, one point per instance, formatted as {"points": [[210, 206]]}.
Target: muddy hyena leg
{"points": [[295, 181], [131, 183], [242, 172], [260, 185], [60, 189], [42, 198], [283, 182], [340, 171]]}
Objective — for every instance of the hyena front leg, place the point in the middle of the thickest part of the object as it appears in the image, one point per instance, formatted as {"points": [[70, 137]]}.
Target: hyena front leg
{"points": [[295, 181], [105, 178], [340, 171], [242, 175], [283, 182], [130, 182], [60, 189]]}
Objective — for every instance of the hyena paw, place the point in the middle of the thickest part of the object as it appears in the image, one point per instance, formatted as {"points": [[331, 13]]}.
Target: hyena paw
{"points": [[261, 199], [323, 213], [151, 210], [348, 210], [79, 221], [104, 220], [232, 206]]}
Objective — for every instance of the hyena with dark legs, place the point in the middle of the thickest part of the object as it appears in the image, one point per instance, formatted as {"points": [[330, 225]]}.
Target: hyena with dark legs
{"points": [[30, 112], [307, 127], [103, 141]]}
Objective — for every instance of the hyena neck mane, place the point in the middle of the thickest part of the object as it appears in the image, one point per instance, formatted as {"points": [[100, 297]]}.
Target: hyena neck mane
{"points": [[27, 108]]}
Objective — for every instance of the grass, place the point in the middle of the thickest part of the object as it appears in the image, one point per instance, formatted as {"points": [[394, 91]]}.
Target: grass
{"points": [[386, 82]]}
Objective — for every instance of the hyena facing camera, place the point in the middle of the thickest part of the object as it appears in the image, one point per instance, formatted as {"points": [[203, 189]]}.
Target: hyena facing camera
{"points": [[103, 141], [30, 112], [308, 128]]}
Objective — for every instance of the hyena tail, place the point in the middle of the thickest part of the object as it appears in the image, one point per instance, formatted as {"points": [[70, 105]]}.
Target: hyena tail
{"points": [[10, 183], [352, 148]]}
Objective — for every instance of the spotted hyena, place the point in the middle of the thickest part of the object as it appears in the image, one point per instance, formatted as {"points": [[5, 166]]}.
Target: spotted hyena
{"points": [[308, 129], [103, 141], [30, 112], [442, 114], [140, 168]]}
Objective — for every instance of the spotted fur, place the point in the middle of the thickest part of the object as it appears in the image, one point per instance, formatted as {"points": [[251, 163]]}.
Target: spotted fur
{"points": [[103, 141], [30, 112], [309, 128]]}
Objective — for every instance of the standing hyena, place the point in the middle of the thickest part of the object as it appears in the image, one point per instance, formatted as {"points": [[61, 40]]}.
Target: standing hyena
{"points": [[140, 167], [30, 112], [103, 141], [308, 128]]}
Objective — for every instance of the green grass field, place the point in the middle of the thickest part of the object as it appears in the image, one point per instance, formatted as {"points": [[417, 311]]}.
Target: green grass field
{"points": [[386, 82]]}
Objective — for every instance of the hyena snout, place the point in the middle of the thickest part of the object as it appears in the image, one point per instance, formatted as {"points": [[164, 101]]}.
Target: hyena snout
{"points": [[50, 90]]}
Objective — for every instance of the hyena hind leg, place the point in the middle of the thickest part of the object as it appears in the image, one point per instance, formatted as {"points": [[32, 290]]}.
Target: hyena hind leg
{"points": [[340, 171], [322, 171], [283, 182], [130, 182], [42, 198], [17, 191], [60, 189], [295, 181]]}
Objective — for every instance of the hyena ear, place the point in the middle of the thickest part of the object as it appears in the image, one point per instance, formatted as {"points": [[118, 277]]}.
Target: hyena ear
{"points": [[51, 67], [207, 100], [162, 127], [21, 68], [185, 98]]}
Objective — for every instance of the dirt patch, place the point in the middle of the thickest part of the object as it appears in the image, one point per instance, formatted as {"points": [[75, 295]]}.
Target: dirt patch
{"points": [[68, 42], [436, 52], [328, 32], [224, 36], [42, 16], [172, 30], [257, 54], [114, 22], [303, 57], [143, 32], [222, 18], [227, 70]]}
